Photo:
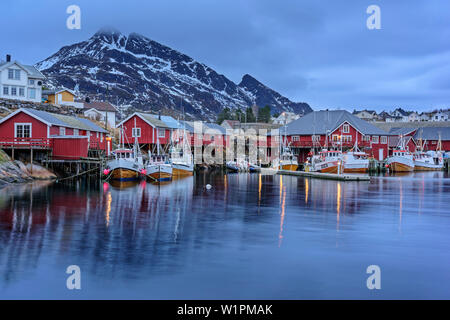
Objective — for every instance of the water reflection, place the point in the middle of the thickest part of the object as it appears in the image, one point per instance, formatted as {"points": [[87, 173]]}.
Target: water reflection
{"points": [[254, 223]]}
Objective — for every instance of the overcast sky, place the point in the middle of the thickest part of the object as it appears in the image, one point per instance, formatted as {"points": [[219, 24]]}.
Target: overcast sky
{"points": [[320, 52]]}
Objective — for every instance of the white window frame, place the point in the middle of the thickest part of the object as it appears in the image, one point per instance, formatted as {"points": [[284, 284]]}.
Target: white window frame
{"points": [[161, 133], [13, 89], [62, 131], [383, 139], [7, 90], [136, 132], [315, 138], [76, 132], [375, 139], [346, 128], [21, 90], [296, 138], [10, 74], [23, 124], [31, 82], [17, 74], [366, 138]]}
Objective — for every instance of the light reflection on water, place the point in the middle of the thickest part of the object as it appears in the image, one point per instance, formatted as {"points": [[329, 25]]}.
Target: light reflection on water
{"points": [[249, 237]]}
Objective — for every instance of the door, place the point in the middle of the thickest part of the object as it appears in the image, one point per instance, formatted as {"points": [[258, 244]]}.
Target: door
{"points": [[381, 154], [59, 98]]}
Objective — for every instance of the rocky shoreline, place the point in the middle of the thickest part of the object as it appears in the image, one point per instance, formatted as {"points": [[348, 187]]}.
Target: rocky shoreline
{"points": [[18, 172]]}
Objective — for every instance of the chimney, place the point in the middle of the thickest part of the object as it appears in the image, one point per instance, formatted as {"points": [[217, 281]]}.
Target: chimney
{"points": [[159, 115], [87, 100], [8, 58]]}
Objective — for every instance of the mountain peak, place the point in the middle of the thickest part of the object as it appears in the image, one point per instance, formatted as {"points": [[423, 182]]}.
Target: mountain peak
{"points": [[151, 76]]}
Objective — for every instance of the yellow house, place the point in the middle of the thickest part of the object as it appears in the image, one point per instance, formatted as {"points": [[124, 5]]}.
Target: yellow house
{"points": [[59, 96]]}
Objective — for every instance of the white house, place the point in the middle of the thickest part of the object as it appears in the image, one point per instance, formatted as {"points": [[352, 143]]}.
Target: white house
{"points": [[20, 82], [439, 116], [412, 117], [102, 111], [424, 116], [286, 117], [368, 115]]}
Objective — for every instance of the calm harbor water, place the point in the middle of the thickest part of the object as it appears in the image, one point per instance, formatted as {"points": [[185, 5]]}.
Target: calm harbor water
{"points": [[250, 237]]}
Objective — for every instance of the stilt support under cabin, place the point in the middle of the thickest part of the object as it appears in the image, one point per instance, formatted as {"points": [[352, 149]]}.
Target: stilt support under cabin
{"points": [[328, 176]]}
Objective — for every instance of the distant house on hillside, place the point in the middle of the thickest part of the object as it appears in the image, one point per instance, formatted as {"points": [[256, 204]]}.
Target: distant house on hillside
{"points": [[20, 82], [412, 117], [424, 116], [399, 112], [62, 97], [368, 115], [286, 117], [102, 111], [439, 116]]}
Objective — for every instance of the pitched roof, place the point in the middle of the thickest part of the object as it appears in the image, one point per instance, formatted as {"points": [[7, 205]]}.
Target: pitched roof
{"points": [[57, 90], [323, 122], [186, 125], [154, 120], [100, 105], [147, 117], [31, 70], [59, 120], [433, 133], [402, 130], [169, 121]]}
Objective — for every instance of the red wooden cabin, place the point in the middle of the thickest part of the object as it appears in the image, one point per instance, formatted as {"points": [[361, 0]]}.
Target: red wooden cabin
{"points": [[63, 137]]}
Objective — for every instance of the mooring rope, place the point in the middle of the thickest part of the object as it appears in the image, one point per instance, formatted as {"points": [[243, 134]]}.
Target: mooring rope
{"points": [[78, 174]]}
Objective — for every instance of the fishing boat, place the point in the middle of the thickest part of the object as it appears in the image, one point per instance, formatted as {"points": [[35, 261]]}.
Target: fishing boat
{"points": [[401, 160], [288, 161], [428, 161], [159, 168], [127, 164], [327, 161], [355, 161], [181, 159], [424, 161]]}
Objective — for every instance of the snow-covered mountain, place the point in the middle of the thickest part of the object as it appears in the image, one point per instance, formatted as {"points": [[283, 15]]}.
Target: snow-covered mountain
{"points": [[137, 71]]}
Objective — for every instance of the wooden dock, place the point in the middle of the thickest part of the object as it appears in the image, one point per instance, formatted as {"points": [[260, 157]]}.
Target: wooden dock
{"points": [[328, 176]]}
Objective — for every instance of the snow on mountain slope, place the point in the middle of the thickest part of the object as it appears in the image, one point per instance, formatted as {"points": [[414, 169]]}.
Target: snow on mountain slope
{"points": [[137, 71]]}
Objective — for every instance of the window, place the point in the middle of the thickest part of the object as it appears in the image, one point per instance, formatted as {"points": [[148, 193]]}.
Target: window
{"points": [[366, 138], [383, 140], [136, 132], [14, 91], [295, 138], [5, 90], [31, 93], [62, 131], [347, 138], [22, 130], [346, 128], [10, 74], [76, 132], [21, 91], [161, 133], [335, 138], [315, 138], [17, 74], [375, 139], [31, 82], [212, 139]]}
